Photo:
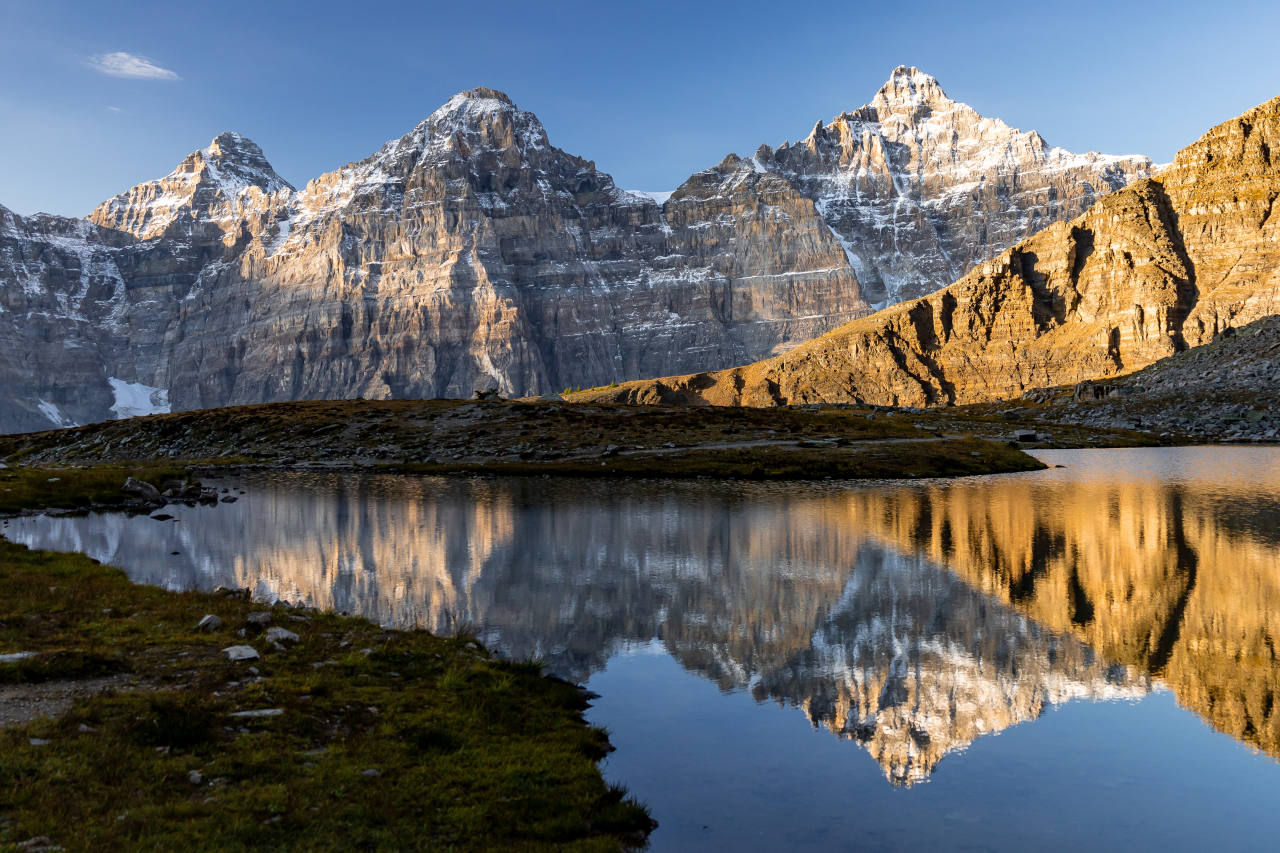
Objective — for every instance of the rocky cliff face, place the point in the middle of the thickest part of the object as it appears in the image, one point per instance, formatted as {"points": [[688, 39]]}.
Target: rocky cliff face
{"points": [[1153, 269], [471, 253]]}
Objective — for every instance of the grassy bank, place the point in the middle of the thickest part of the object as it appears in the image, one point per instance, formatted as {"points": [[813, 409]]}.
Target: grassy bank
{"points": [[373, 739], [446, 436], [866, 460]]}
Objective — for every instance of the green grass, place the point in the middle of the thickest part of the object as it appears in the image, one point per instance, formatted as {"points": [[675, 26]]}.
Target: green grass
{"points": [[472, 753], [76, 488]]}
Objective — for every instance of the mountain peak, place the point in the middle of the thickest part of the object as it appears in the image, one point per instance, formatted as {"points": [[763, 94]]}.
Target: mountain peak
{"points": [[910, 87], [235, 161], [472, 105], [210, 176], [479, 119]]}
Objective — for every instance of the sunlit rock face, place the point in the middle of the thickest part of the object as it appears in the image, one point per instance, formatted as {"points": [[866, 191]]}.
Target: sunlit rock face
{"points": [[1159, 266], [471, 253]]}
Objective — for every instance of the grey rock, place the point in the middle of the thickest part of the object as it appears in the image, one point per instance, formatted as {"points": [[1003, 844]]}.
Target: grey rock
{"points": [[14, 657], [258, 714], [209, 623], [240, 653], [282, 635], [258, 620], [141, 489]]}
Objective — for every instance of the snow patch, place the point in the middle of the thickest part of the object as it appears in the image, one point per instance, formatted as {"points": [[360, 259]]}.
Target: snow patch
{"points": [[659, 197], [133, 399], [54, 414]]}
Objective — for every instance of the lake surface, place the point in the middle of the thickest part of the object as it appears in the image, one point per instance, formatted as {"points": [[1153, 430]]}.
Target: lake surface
{"points": [[1084, 656]]}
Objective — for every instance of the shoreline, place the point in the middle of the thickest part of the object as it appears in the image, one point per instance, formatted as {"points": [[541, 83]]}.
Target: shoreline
{"points": [[135, 715]]}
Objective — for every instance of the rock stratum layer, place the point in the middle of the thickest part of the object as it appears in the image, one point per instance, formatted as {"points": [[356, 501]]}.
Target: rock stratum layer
{"points": [[471, 253], [1161, 266]]}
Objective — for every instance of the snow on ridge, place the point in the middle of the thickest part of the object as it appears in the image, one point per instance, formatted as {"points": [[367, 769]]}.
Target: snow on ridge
{"points": [[134, 399], [54, 414]]}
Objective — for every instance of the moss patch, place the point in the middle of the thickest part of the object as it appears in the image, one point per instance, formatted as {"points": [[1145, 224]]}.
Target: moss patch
{"points": [[383, 740]]}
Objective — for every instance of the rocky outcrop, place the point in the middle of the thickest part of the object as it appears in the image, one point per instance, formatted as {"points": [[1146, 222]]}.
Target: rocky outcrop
{"points": [[1226, 390], [1153, 269], [472, 254]]}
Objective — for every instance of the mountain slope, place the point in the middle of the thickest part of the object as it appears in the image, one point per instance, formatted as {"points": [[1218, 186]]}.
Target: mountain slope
{"points": [[920, 188], [471, 253], [1150, 270]]}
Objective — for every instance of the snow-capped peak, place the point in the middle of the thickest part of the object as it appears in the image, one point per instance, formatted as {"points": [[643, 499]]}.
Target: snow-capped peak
{"points": [[909, 87], [481, 118], [213, 176], [238, 162]]}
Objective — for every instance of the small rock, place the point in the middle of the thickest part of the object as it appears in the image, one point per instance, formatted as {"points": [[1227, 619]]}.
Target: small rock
{"points": [[37, 741], [140, 489], [229, 499], [39, 843], [228, 592], [239, 653], [1025, 435], [195, 778], [282, 635], [258, 621], [209, 623], [371, 773], [85, 729], [262, 712], [14, 657]]}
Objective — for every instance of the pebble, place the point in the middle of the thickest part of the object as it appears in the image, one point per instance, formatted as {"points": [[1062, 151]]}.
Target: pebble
{"points": [[371, 773], [209, 623], [263, 712], [36, 741], [195, 778]]}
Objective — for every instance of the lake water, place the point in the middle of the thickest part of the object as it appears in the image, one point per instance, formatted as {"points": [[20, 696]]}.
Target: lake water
{"points": [[1080, 657]]}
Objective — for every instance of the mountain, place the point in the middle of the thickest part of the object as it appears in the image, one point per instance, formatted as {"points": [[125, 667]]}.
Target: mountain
{"points": [[1161, 266], [471, 253], [919, 188]]}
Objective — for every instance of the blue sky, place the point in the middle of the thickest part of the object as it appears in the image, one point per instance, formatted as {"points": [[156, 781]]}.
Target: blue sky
{"points": [[652, 92]]}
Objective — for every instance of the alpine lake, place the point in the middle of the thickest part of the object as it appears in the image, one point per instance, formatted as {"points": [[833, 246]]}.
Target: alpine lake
{"points": [[1078, 657]]}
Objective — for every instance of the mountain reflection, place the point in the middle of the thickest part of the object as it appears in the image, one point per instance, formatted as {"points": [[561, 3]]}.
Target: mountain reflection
{"points": [[911, 618]]}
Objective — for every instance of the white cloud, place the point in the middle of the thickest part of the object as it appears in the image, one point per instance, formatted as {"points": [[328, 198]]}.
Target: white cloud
{"points": [[115, 109], [121, 64]]}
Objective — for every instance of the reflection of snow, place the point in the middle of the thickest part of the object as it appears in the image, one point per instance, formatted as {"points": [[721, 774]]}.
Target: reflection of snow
{"points": [[134, 399]]}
